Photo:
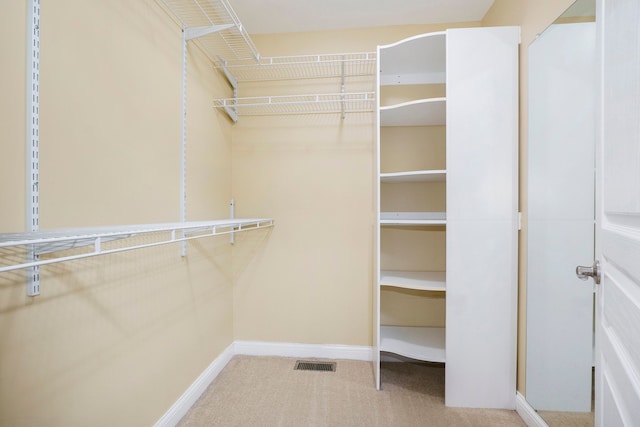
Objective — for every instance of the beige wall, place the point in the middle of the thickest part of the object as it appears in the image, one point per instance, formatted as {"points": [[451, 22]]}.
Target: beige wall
{"points": [[533, 16], [109, 330], [314, 174], [112, 340]]}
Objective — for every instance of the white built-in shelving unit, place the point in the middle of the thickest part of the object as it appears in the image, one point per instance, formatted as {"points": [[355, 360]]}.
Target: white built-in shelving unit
{"points": [[473, 74], [216, 28], [420, 60]]}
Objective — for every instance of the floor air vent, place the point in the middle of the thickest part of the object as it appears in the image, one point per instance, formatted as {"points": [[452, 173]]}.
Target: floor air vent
{"points": [[302, 365]]}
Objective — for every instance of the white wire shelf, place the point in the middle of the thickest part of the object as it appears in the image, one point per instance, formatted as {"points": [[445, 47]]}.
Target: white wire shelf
{"points": [[217, 27], [361, 64], [47, 242], [298, 104]]}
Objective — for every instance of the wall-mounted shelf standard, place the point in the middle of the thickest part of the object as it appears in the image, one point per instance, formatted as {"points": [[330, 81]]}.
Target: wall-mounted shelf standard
{"points": [[298, 104], [341, 65], [47, 242]]}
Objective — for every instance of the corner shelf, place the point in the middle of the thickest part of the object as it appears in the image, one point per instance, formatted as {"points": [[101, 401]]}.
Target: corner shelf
{"points": [[414, 176], [400, 63], [46, 242], [417, 280], [412, 218], [416, 342], [422, 112]]}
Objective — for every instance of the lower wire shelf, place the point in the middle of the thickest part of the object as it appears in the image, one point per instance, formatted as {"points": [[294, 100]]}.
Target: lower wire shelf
{"points": [[48, 242]]}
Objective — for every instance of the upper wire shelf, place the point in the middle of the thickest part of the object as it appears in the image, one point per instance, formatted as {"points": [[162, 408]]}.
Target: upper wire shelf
{"points": [[360, 64], [217, 27], [298, 104], [219, 31]]}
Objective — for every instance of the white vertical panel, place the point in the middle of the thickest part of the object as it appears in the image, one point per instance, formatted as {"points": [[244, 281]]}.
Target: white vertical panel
{"points": [[562, 118], [376, 232], [482, 150]]}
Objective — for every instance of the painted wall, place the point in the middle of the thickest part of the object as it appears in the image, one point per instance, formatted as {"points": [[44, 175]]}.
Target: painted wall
{"points": [[533, 17], [108, 330], [112, 340]]}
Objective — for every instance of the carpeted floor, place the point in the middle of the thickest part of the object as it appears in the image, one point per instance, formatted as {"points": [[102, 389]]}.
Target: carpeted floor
{"points": [[266, 391]]}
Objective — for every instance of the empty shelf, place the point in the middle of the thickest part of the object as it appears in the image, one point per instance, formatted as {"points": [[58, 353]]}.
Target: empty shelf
{"points": [[302, 67], [401, 64], [420, 343], [423, 112], [216, 26], [413, 218], [418, 280], [41, 242], [298, 104], [414, 176]]}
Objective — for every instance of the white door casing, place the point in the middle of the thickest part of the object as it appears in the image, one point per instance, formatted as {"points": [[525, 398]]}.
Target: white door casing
{"points": [[618, 216]]}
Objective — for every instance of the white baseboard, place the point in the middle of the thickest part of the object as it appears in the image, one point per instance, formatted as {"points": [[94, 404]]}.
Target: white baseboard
{"points": [[195, 390], [527, 413], [317, 351]]}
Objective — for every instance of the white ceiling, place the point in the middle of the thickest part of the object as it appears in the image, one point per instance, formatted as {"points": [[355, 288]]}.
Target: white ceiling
{"points": [[283, 16]]}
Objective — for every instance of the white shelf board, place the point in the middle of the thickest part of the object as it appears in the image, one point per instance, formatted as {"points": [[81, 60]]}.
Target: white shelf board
{"points": [[416, 60], [413, 218], [420, 343], [59, 240], [414, 176], [418, 280], [422, 112]]}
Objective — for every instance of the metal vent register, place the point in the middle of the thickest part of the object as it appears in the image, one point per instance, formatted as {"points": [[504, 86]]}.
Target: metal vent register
{"points": [[303, 365]]}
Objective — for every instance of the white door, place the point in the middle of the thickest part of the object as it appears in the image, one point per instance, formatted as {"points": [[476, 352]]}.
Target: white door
{"points": [[562, 115], [618, 218]]}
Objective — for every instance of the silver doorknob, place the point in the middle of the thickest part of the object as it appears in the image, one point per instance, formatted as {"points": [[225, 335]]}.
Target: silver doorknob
{"points": [[584, 273]]}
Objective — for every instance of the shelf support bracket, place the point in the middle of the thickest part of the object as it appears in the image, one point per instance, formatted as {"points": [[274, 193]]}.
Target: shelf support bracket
{"points": [[232, 215], [342, 88], [33, 140], [195, 32], [232, 112]]}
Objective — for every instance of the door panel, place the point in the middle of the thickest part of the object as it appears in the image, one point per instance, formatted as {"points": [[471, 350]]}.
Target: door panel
{"points": [[562, 112], [618, 219]]}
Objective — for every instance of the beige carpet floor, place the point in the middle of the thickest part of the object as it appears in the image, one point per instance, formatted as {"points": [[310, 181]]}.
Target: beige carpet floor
{"points": [[267, 391]]}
